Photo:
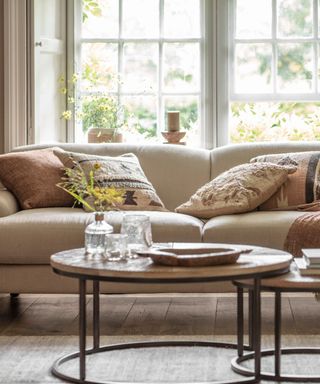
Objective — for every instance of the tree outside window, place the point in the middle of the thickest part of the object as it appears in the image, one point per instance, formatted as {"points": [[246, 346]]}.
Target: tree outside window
{"points": [[276, 84]]}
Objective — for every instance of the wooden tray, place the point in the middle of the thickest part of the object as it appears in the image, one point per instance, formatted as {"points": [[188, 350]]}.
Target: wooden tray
{"points": [[195, 257]]}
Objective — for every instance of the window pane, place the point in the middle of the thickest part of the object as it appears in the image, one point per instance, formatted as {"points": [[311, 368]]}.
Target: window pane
{"points": [[295, 64], [318, 67], [254, 19], [99, 66], [181, 67], [140, 18], [142, 118], [251, 122], [253, 68], [189, 116], [140, 67], [295, 18], [181, 18], [101, 21]]}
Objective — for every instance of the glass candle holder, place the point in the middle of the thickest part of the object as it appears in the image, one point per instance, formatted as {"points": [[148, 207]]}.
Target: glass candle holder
{"points": [[115, 247], [138, 230]]}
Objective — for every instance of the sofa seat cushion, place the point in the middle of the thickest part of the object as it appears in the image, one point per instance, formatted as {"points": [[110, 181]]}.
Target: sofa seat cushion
{"points": [[266, 229], [31, 236]]}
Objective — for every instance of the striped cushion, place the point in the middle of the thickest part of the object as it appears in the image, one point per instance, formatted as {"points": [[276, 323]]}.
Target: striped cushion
{"points": [[302, 187]]}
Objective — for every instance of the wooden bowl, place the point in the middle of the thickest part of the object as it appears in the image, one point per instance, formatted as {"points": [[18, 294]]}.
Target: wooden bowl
{"points": [[173, 137], [196, 257]]}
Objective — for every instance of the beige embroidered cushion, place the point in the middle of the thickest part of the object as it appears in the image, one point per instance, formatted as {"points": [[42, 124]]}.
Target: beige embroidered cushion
{"points": [[303, 187], [240, 189], [122, 172]]}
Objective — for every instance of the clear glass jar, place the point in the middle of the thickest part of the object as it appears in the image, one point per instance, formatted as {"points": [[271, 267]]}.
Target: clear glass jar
{"points": [[138, 229], [95, 234]]}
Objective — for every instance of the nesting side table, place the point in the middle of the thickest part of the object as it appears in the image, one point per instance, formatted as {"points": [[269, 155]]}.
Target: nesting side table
{"points": [[261, 262], [290, 282]]}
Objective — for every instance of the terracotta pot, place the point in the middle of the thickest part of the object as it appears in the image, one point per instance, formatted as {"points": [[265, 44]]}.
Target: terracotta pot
{"points": [[103, 135]]}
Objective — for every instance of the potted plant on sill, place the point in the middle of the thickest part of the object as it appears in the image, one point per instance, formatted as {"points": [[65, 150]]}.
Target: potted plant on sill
{"points": [[102, 118], [101, 115]]}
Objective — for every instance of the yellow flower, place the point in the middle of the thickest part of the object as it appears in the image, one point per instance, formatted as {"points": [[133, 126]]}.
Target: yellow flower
{"points": [[75, 77], [63, 90], [67, 115], [81, 186]]}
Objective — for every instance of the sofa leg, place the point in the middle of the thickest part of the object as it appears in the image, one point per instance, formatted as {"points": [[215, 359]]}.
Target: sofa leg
{"points": [[14, 295]]}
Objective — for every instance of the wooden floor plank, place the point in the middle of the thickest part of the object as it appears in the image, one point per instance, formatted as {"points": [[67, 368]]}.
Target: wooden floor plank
{"points": [[226, 321], [10, 309], [190, 316], [145, 317], [151, 315], [306, 315], [113, 312], [46, 316]]}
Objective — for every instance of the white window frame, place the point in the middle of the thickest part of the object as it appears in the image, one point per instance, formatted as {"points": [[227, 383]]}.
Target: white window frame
{"points": [[208, 86], [213, 112], [16, 74], [274, 40], [221, 56]]}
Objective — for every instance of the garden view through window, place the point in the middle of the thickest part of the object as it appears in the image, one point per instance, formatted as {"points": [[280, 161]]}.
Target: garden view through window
{"points": [[140, 58], [276, 72]]}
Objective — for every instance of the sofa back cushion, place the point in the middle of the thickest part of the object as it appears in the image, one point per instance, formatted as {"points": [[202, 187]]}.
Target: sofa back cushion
{"points": [[176, 172]]}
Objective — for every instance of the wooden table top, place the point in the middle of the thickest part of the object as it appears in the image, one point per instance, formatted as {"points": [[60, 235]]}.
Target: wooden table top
{"points": [[291, 281], [75, 263]]}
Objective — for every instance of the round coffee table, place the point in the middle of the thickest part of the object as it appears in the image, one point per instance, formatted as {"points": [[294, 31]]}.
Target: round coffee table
{"points": [[261, 262], [289, 282]]}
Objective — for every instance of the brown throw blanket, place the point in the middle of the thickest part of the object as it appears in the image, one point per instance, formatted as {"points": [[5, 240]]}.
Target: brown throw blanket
{"points": [[304, 232]]}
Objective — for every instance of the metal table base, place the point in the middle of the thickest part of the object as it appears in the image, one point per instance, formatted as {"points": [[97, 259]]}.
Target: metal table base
{"points": [[253, 377], [278, 350]]}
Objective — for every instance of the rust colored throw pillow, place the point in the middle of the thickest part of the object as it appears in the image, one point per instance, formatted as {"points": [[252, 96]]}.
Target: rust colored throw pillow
{"points": [[32, 177], [123, 172], [240, 189], [302, 187]]}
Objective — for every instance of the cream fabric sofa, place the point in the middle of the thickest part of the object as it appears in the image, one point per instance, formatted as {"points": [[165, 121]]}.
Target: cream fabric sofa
{"points": [[29, 237]]}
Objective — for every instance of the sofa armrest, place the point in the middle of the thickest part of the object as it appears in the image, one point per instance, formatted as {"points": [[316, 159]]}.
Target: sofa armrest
{"points": [[8, 203]]}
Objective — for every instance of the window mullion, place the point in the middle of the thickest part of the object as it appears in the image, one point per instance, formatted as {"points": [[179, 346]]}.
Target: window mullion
{"points": [[161, 114], [316, 44], [140, 40], [274, 47], [276, 40], [120, 52], [208, 89]]}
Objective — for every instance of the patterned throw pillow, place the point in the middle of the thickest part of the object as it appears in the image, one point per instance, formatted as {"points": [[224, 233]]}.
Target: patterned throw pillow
{"points": [[302, 187], [123, 172], [32, 177], [240, 189]]}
